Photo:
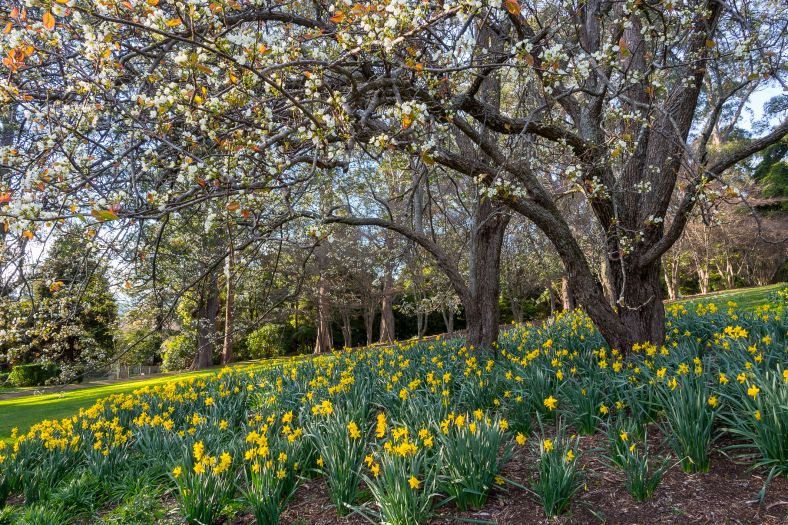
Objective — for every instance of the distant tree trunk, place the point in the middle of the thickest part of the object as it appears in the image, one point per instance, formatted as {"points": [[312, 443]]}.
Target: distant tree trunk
{"points": [[552, 298], [387, 308], [206, 323], [323, 342], [347, 329], [229, 306], [448, 320], [369, 321], [670, 283], [517, 310]]}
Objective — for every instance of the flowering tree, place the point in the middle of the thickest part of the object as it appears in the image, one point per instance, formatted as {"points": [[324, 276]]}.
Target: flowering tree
{"points": [[135, 109]]}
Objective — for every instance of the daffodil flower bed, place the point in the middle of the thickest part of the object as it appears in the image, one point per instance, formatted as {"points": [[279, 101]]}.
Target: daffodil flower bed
{"points": [[421, 425]]}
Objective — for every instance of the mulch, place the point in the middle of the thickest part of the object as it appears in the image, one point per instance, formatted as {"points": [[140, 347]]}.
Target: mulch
{"points": [[727, 494]]}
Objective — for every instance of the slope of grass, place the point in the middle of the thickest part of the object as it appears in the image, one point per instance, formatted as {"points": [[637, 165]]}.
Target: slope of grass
{"points": [[22, 412], [25, 411], [745, 298]]}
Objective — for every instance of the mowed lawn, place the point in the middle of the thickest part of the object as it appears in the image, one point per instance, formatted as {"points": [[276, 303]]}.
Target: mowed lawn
{"points": [[22, 412]]}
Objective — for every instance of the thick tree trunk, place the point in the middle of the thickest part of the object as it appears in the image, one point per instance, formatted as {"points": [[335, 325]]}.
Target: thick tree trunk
{"points": [[639, 317], [567, 295], [387, 308], [206, 324], [482, 310], [229, 307]]}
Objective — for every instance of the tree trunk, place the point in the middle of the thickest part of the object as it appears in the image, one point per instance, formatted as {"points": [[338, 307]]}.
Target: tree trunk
{"points": [[567, 295], [369, 321], [347, 329], [448, 320], [206, 324], [387, 308], [517, 311], [229, 306], [639, 317], [482, 310], [323, 341], [669, 283], [553, 301]]}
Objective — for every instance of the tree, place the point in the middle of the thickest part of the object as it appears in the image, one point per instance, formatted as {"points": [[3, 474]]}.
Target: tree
{"points": [[628, 104], [67, 315]]}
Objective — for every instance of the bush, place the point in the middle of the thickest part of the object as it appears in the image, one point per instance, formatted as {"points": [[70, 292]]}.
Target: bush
{"points": [[177, 352], [3, 377], [267, 341], [33, 374]]}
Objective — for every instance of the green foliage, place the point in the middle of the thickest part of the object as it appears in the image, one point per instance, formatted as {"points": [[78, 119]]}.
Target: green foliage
{"points": [[633, 457], [340, 440], [689, 419], [267, 341], [33, 374], [558, 476], [205, 484], [470, 457], [177, 351]]}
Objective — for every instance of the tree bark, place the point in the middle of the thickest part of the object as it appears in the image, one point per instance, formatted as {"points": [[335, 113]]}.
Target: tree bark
{"points": [[323, 342], [347, 329], [206, 323], [567, 295], [482, 309], [387, 308], [229, 306]]}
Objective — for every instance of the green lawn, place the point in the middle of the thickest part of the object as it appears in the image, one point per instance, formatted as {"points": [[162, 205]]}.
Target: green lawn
{"points": [[745, 298], [23, 412]]}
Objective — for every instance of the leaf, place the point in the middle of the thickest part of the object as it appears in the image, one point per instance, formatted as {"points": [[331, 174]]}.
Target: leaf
{"points": [[233, 206], [154, 3], [338, 17], [55, 286], [8, 27], [104, 215], [174, 22], [512, 6], [28, 234], [5, 197], [49, 21]]}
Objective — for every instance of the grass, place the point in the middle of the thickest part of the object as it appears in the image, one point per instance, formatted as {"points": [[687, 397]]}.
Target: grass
{"points": [[22, 412], [745, 298]]}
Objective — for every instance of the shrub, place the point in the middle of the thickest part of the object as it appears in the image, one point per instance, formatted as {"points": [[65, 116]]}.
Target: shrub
{"points": [[177, 352], [267, 341], [33, 374]]}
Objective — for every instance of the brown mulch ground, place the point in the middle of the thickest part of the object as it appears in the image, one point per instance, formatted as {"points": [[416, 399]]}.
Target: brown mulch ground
{"points": [[727, 494]]}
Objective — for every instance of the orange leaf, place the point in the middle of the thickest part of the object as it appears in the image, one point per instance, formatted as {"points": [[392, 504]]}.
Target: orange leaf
{"points": [[233, 206], [8, 27], [174, 22], [512, 6], [338, 17], [28, 234], [14, 13], [5, 197], [49, 21]]}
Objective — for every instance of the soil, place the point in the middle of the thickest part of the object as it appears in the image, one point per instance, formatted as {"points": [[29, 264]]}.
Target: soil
{"points": [[727, 494]]}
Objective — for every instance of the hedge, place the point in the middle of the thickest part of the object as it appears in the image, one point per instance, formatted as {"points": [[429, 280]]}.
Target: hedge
{"points": [[32, 374]]}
